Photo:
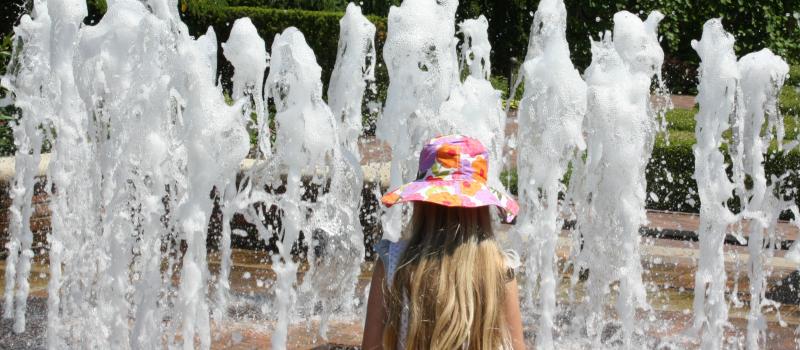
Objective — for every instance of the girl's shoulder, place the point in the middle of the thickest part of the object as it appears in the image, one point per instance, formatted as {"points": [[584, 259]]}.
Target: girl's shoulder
{"points": [[390, 253], [385, 248]]}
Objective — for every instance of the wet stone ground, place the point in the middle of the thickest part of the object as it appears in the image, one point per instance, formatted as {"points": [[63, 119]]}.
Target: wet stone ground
{"points": [[669, 266], [35, 336]]}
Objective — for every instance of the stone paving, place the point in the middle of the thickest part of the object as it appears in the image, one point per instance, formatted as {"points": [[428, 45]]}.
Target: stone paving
{"points": [[669, 267]]}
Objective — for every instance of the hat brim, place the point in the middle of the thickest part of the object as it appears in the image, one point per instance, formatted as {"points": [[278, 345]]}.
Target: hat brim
{"points": [[453, 193]]}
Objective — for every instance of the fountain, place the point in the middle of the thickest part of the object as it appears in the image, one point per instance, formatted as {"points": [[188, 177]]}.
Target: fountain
{"points": [[551, 112], [610, 186], [718, 90], [762, 77], [147, 146], [420, 48]]}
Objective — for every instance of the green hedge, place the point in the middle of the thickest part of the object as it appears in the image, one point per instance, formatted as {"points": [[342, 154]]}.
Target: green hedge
{"points": [[670, 177], [794, 76], [790, 100]]}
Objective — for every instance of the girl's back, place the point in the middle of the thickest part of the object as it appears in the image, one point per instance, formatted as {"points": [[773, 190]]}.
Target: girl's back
{"points": [[447, 285]]}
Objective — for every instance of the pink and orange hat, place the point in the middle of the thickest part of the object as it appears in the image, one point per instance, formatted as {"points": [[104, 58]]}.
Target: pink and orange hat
{"points": [[452, 173]]}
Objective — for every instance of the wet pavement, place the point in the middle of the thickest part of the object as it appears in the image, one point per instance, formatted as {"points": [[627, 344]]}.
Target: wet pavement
{"points": [[669, 269]]}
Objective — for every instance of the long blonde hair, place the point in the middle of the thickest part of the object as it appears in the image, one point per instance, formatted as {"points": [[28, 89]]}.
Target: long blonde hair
{"points": [[452, 279]]}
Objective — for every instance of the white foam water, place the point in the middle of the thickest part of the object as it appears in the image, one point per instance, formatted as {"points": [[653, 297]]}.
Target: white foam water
{"points": [[144, 146], [718, 97], [139, 147], [315, 143], [476, 48], [107, 229], [338, 240], [550, 117], [305, 141], [762, 77], [420, 55], [30, 79], [474, 107], [621, 126], [352, 74], [247, 52]]}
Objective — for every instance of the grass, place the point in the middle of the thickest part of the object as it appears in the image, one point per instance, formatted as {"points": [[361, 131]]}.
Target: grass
{"points": [[790, 100], [681, 122]]}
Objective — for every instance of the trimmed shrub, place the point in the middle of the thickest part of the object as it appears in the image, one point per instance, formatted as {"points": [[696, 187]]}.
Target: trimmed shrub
{"points": [[373, 7], [790, 101], [670, 183]]}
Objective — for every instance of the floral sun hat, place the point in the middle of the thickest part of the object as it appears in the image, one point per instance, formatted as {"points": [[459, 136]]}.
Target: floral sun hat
{"points": [[452, 173]]}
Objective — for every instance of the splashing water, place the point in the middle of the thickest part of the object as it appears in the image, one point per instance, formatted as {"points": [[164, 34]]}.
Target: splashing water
{"points": [[305, 141], [550, 116], [718, 97], [309, 139], [353, 72], [610, 204], [247, 52], [474, 107], [420, 55], [28, 136], [144, 147], [762, 77], [107, 228], [476, 47], [125, 199], [339, 241]]}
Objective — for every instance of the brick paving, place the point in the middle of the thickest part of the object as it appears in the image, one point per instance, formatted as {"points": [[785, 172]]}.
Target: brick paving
{"points": [[684, 101], [685, 226], [669, 264]]}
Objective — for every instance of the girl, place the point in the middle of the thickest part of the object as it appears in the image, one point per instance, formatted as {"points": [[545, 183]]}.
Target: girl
{"points": [[446, 284]]}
